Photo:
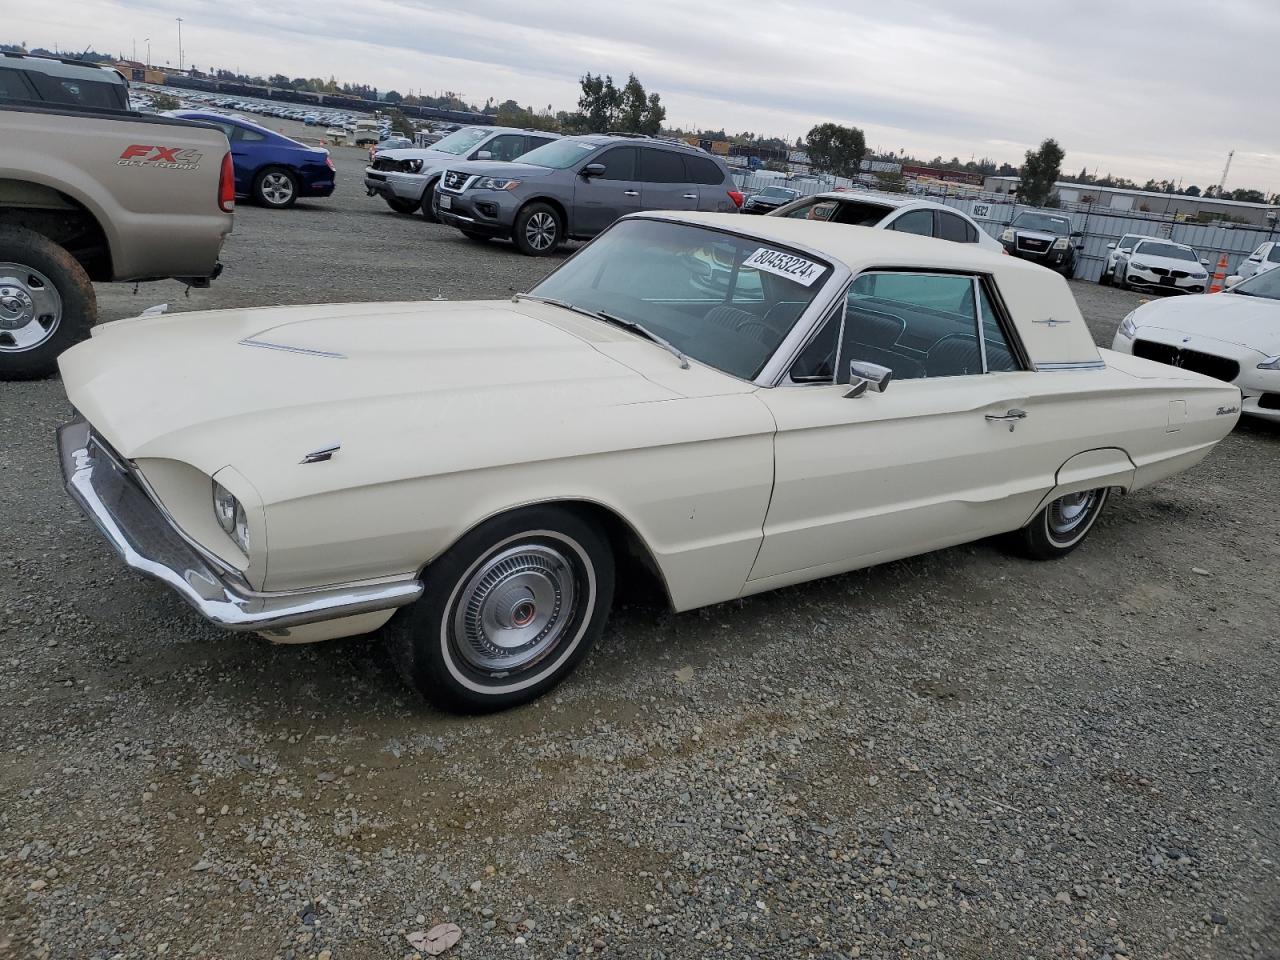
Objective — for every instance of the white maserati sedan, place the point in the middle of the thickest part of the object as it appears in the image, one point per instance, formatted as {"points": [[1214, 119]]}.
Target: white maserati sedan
{"points": [[1233, 336], [721, 404]]}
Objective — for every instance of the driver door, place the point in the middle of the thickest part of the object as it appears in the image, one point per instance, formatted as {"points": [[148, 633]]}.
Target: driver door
{"points": [[918, 467], [598, 201]]}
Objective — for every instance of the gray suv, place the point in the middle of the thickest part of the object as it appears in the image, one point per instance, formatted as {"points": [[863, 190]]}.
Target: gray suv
{"points": [[406, 177], [575, 187]]}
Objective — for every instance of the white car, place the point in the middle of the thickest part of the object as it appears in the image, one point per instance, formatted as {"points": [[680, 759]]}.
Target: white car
{"points": [[1115, 248], [479, 473], [1161, 265], [1233, 336], [887, 211], [1266, 257]]}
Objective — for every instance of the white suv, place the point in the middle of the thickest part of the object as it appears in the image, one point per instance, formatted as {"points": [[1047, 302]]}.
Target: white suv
{"points": [[1266, 257], [1114, 249]]}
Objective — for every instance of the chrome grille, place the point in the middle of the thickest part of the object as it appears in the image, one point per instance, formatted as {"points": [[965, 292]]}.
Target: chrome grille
{"points": [[454, 180]]}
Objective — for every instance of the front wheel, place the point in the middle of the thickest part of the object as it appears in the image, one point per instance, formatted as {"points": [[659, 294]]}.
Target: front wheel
{"points": [[537, 230], [400, 205], [507, 612], [46, 303], [276, 188], [1104, 278], [429, 201], [1062, 525], [1119, 280]]}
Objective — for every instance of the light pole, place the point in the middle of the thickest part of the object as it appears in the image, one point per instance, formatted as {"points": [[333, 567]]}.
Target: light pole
{"points": [[179, 19], [148, 39]]}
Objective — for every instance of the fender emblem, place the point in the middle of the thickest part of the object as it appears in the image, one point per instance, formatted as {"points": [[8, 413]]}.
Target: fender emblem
{"points": [[1051, 321], [1227, 411], [321, 455]]}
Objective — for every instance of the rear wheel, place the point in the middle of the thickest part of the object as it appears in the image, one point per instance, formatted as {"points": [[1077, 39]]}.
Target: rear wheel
{"points": [[537, 230], [47, 304], [1104, 278], [507, 613], [1062, 525], [275, 187], [400, 205]]}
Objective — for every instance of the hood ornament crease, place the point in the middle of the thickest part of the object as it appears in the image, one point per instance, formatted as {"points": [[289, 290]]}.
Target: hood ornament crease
{"points": [[305, 351]]}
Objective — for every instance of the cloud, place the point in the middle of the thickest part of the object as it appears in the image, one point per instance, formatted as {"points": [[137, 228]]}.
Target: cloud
{"points": [[1137, 88]]}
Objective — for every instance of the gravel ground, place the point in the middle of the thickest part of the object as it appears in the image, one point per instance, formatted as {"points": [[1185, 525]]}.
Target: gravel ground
{"points": [[958, 755]]}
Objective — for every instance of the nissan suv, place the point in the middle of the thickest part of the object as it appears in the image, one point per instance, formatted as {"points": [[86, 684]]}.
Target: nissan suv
{"points": [[574, 188], [405, 178]]}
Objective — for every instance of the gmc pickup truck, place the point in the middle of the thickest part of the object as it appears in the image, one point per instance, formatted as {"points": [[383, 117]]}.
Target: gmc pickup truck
{"points": [[91, 191]]}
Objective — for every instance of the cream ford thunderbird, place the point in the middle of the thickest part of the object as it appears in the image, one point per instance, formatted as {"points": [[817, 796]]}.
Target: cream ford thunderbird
{"points": [[725, 404]]}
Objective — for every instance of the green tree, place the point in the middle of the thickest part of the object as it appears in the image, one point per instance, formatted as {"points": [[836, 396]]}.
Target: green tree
{"points": [[1040, 171], [392, 96], [604, 108], [891, 181], [1192, 191], [166, 101], [836, 149]]}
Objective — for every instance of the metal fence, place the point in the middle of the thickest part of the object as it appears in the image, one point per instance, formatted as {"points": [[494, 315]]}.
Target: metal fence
{"points": [[994, 213]]}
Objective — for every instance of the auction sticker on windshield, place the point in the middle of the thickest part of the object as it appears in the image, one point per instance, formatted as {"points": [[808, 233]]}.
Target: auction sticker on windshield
{"points": [[787, 265]]}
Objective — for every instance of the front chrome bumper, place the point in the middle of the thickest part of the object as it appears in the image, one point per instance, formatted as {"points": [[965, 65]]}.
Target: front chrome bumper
{"points": [[140, 531]]}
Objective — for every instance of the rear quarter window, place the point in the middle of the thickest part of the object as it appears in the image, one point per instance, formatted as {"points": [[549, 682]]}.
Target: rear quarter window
{"points": [[661, 166], [702, 170], [98, 94]]}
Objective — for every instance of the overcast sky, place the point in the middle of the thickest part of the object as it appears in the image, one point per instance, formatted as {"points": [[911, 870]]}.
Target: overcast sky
{"points": [[1162, 88]]}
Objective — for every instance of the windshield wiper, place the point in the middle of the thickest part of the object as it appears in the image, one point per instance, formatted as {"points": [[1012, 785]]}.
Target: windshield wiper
{"points": [[616, 321]]}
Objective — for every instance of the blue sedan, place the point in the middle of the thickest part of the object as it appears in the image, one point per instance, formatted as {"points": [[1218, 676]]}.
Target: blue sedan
{"points": [[270, 168]]}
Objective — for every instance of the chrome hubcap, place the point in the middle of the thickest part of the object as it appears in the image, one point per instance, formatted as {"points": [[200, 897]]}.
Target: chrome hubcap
{"points": [[30, 308], [277, 188], [1068, 514], [540, 231], [515, 608]]}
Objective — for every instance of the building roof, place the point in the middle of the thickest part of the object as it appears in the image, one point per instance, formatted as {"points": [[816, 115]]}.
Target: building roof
{"points": [[1155, 194]]}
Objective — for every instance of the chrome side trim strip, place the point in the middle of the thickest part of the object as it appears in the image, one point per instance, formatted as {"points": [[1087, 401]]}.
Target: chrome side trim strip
{"points": [[147, 542], [1072, 365], [267, 345]]}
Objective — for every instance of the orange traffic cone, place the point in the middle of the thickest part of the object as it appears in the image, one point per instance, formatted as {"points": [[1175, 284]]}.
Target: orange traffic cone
{"points": [[1219, 276]]}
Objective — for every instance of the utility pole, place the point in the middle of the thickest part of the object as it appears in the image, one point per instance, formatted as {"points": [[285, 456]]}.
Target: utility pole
{"points": [[148, 39], [179, 19]]}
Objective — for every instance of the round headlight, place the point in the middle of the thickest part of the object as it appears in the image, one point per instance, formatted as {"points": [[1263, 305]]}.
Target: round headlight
{"points": [[225, 507]]}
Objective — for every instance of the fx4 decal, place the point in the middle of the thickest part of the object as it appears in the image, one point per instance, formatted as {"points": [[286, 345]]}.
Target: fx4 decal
{"points": [[164, 158]]}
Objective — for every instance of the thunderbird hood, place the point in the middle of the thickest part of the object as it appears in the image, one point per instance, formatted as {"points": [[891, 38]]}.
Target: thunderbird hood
{"points": [[400, 383], [1252, 322]]}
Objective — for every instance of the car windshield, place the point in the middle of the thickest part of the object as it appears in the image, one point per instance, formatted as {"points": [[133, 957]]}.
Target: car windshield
{"points": [[856, 213], [1170, 250], [559, 154], [779, 193], [462, 141], [1265, 285], [725, 300], [1043, 221]]}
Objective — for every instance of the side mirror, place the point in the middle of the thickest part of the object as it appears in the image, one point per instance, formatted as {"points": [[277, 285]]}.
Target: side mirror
{"points": [[593, 170], [865, 376], [1231, 281], [1204, 262], [1111, 246], [484, 155], [1077, 235]]}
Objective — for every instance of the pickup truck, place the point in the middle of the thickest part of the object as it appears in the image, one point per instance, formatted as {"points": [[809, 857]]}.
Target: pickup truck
{"points": [[93, 192]]}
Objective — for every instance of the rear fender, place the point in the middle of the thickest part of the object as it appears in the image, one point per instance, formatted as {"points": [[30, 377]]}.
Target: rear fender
{"points": [[1104, 467]]}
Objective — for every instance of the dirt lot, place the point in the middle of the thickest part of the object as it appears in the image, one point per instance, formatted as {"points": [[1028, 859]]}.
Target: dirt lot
{"points": [[960, 755]]}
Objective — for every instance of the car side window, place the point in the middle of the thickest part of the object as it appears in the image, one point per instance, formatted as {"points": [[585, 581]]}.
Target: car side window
{"points": [[535, 142], [704, 171], [955, 228], [619, 164], [812, 210], [1273, 255], [661, 166], [246, 135], [921, 326], [914, 221], [506, 146]]}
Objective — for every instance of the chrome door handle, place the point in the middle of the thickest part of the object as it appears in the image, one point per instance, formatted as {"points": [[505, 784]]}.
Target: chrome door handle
{"points": [[689, 196], [631, 193], [1011, 418]]}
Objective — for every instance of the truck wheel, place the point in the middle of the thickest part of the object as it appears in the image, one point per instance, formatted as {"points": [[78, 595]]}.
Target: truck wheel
{"points": [[537, 230], [508, 611], [275, 187], [47, 304], [400, 205], [429, 203]]}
